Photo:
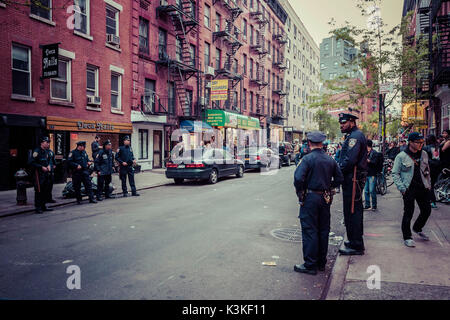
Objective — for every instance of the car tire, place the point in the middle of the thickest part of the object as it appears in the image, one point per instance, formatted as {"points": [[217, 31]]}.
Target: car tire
{"points": [[213, 176], [178, 180], [240, 172]]}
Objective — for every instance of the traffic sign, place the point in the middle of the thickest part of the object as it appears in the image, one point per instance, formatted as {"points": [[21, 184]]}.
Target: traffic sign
{"points": [[386, 87]]}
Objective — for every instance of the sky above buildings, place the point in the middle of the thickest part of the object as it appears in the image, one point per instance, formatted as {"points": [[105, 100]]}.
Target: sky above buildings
{"points": [[315, 14]]}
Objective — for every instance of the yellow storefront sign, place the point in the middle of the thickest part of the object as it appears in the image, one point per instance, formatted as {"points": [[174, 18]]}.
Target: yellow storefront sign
{"points": [[219, 90], [414, 111]]}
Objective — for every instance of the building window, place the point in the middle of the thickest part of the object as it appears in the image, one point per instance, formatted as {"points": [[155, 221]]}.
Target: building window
{"points": [[172, 101], [42, 8], [208, 97], [143, 144], [245, 64], [244, 99], [143, 35], [149, 95], [116, 91], [251, 69], [207, 16], [92, 81], [218, 17], [162, 44], [81, 10], [112, 21], [251, 35], [207, 54], [178, 48], [218, 59], [251, 101], [244, 28], [21, 70], [60, 87]]}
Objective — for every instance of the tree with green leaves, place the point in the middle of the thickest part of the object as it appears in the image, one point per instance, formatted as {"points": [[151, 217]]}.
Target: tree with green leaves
{"points": [[327, 124]]}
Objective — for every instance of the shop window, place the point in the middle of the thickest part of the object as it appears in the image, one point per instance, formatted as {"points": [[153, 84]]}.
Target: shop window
{"points": [[21, 70]]}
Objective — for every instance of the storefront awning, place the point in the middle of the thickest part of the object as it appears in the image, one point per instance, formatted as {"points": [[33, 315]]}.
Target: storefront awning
{"points": [[221, 118], [78, 125], [189, 125]]}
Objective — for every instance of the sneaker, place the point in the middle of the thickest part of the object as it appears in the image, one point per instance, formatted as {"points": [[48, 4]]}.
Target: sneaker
{"points": [[423, 236], [374, 208], [433, 205], [410, 243]]}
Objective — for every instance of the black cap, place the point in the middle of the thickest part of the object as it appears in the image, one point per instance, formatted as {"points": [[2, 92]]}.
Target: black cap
{"points": [[106, 142], [316, 137], [370, 143], [46, 139], [81, 143], [413, 136], [126, 138], [344, 117]]}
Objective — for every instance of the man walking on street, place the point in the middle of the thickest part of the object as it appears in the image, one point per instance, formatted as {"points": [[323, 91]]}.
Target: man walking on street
{"points": [[40, 162], [353, 164], [104, 168], [79, 162], [126, 160], [411, 175], [373, 168], [315, 177]]}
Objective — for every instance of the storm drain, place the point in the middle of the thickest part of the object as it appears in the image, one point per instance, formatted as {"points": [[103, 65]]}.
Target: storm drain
{"points": [[287, 234]]}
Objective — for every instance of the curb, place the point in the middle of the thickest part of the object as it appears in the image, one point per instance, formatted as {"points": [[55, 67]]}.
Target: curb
{"points": [[74, 201], [336, 281]]}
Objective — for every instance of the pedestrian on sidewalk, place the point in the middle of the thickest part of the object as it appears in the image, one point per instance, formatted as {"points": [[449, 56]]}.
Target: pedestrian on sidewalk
{"points": [[126, 160], [104, 168], [411, 175], [432, 149], [374, 159], [40, 162], [353, 164], [79, 162], [315, 177]]}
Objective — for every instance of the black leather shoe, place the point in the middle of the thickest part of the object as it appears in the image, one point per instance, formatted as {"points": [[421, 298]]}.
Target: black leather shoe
{"points": [[99, 199], [47, 209], [52, 201], [92, 201], [303, 269], [351, 252], [135, 194], [38, 211]]}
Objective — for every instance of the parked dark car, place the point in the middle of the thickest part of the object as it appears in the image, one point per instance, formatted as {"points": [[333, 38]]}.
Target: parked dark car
{"points": [[286, 153], [259, 158], [204, 164]]}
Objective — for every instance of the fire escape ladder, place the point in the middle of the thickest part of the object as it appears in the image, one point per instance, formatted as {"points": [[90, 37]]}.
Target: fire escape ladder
{"points": [[181, 91]]}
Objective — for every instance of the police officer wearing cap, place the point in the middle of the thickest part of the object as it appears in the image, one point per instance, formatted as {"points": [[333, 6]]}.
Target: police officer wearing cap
{"points": [[79, 162], [317, 174], [353, 164], [51, 154], [126, 161], [104, 168], [40, 161]]}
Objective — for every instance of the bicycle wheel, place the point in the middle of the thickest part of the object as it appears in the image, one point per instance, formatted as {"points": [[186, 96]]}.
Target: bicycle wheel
{"points": [[382, 185]]}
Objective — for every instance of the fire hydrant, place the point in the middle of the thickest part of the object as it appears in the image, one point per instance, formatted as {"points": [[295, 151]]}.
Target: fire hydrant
{"points": [[21, 185]]}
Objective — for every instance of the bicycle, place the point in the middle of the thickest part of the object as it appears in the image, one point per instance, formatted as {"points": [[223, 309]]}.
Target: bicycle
{"points": [[384, 178], [442, 187]]}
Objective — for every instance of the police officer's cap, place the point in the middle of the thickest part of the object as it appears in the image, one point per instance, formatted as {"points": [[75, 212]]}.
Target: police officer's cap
{"points": [[106, 143], [81, 143], [413, 136], [316, 137], [46, 139], [126, 138], [344, 117]]}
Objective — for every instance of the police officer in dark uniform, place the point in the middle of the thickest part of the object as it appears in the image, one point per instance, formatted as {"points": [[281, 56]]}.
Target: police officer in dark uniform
{"points": [[126, 161], [104, 167], [353, 164], [95, 147], [79, 162], [315, 177], [40, 162], [49, 198]]}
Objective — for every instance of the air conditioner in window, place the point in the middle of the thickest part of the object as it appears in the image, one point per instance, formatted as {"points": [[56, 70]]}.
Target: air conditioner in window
{"points": [[91, 100], [112, 39], [209, 71]]}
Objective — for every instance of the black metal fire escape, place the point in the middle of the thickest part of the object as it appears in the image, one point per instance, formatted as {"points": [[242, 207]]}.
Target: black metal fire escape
{"points": [[184, 65], [441, 52]]}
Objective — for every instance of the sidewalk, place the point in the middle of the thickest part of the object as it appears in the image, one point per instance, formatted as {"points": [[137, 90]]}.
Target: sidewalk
{"points": [[144, 180], [416, 273]]}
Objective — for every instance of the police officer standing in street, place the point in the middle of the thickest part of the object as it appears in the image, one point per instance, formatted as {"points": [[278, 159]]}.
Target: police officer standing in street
{"points": [[104, 167], [126, 161], [316, 176], [51, 154], [79, 162], [353, 164], [95, 147], [40, 161]]}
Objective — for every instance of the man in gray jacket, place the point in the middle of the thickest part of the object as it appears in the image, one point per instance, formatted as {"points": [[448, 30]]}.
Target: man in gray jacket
{"points": [[411, 174]]}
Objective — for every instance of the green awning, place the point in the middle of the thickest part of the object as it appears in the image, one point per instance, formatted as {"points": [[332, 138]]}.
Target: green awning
{"points": [[221, 118]]}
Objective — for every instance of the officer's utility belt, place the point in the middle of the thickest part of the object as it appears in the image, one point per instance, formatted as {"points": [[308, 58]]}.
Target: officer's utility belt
{"points": [[327, 195]]}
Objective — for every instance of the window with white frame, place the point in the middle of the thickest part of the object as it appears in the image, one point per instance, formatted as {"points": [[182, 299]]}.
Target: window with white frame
{"points": [[92, 81], [116, 91], [21, 70], [82, 20], [42, 8], [112, 21], [60, 87]]}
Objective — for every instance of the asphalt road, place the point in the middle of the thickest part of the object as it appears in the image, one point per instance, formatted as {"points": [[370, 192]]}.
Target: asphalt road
{"points": [[194, 241]]}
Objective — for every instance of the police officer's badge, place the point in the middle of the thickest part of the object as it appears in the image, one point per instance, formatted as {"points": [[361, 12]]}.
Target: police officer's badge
{"points": [[352, 142], [35, 154], [104, 156], [70, 154]]}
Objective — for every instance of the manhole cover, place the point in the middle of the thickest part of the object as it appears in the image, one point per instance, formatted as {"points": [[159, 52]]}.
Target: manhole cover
{"points": [[287, 234]]}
